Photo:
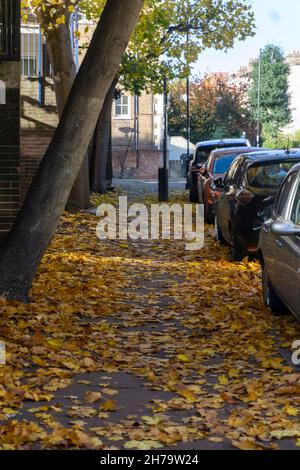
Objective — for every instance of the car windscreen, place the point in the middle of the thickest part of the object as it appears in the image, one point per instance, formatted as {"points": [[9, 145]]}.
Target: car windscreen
{"points": [[204, 151], [222, 163], [268, 175]]}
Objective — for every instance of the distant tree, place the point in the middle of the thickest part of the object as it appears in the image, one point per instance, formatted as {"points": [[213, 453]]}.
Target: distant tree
{"points": [[201, 109], [284, 140], [275, 111], [219, 108]]}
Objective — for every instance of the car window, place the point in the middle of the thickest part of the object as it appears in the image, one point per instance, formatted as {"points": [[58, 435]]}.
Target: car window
{"points": [[295, 214], [268, 175], [223, 162], [232, 172], [283, 195]]}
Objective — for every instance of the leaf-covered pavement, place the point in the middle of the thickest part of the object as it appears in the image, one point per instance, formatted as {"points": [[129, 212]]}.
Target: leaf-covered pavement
{"points": [[145, 345]]}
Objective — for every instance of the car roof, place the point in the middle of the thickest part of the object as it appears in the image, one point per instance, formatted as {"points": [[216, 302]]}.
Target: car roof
{"points": [[269, 155], [225, 150], [219, 142]]}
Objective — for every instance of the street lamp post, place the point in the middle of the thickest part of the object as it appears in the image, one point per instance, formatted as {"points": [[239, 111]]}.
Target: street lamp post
{"points": [[258, 100], [188, 117], [163, 172]]}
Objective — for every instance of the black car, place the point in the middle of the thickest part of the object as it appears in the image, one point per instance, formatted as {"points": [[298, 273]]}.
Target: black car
{"points": [[202, 152], [249, 188]]}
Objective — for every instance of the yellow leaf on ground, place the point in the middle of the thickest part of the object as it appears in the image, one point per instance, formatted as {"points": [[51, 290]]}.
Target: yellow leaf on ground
{"points": [[109, 405], [92, 397]]}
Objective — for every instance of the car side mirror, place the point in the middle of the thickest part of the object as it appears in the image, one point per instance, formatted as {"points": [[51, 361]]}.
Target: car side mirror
{"points": [[200, 165], [285, 229], [218, 183]]}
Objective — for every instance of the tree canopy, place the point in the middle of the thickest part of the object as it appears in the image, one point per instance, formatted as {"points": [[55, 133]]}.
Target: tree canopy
{"points": [[158, 46], [275, 112], [218, 107]]}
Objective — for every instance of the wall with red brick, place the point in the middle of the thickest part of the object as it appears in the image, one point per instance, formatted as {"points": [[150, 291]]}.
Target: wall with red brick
{"points": [[37, 127], [9, 145], [129, 164], [33, 147]]}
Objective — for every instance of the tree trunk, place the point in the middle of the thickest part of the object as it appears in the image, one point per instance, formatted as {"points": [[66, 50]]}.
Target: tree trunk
{"points": [[47, 196], [102, 145], [60, 53], [80, 195]]}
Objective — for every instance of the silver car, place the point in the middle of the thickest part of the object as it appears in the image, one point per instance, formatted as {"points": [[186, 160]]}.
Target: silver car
{"points": [[279, 248]]}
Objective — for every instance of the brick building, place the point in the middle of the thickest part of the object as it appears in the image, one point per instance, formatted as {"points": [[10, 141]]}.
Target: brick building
{"points": [[9, 113], [137, 122], [137, 136]]}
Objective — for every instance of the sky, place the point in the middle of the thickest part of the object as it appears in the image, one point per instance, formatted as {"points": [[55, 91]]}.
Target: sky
{"points": [[277, 22]]}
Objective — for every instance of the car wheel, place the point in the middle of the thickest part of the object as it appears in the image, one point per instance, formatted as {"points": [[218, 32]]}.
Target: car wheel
{"points": [[237, 251], [209, 215], [219, 235], [193, 195], [271, 299]]}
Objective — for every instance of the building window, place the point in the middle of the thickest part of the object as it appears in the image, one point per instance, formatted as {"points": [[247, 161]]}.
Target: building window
{"points": [[122, 107], [9, 29]]}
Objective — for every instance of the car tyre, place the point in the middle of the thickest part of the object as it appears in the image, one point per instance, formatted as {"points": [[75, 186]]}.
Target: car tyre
{"points": [[193, 195], [237, 251], [271, 299], [209, 215]]}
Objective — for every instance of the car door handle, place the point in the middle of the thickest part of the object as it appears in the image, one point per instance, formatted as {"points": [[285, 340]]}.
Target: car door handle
{"points": [[279, 244], [266, 229]]}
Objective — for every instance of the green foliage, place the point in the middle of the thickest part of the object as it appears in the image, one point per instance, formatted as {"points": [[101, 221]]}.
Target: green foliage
{"points": [[159, 45], [275, 112], [218, 109], [284, 141]]}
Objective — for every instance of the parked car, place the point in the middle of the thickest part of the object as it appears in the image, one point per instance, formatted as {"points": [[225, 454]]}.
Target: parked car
{"points": [[216, 167], [201, 154], [249, 187], [279, 248]]}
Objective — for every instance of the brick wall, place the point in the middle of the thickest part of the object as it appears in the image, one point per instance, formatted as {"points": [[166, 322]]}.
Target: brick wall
{"points": [[37, 127], [9, 145], [128, 164], [127, 161], [33, 117], [33, 147]]}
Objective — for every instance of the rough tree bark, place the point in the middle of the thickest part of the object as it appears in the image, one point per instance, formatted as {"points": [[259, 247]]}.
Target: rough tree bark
{"points": [[60, 53], [102, 145], [58, 41], [36, 223]]}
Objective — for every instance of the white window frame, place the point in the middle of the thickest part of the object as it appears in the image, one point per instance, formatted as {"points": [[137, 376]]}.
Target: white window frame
{"points": [[123, 116]]}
